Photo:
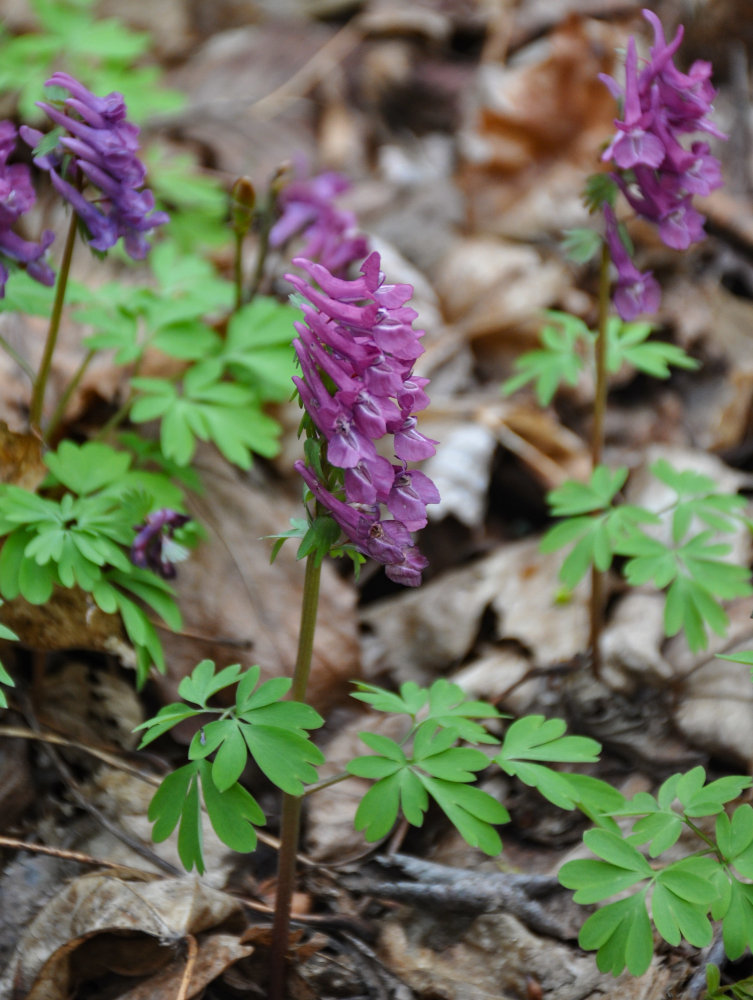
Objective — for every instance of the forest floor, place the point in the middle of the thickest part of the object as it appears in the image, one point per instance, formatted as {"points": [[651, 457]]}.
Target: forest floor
{"points": [[467, 130]]}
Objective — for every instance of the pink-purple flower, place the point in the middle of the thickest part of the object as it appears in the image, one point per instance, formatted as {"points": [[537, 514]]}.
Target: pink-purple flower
{"points": [[98, 149], [17, 197], [357, 348], [151, 546], [307, 206], [656, 172]]}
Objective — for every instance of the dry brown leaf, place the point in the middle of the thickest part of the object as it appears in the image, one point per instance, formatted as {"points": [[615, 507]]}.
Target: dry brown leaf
{"points": [[538, 132], [418, 635], [21, 459], [161, 912], [69, 620], [490, 286], [89, 704], [493, 958], [215, 955], [16, 782]]}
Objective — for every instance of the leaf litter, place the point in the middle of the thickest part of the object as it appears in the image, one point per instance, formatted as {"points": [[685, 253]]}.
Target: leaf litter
{"points": [[470, 198]]}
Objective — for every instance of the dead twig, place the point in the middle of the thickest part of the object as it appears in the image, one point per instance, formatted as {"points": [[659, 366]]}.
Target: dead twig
{"points": [[185, 982], [77, 856], [446, 888]]}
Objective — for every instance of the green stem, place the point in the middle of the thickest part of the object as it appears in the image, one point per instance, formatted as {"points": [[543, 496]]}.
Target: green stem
{"points": [[59, 410], [596, 603], [326, 783], [40, 383], [267, 218], [238, 270], [291, 804], [115, 420], [22, 363], [707, 840]]}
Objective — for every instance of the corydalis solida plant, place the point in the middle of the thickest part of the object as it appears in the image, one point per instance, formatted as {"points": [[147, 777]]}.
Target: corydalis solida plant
{"points": [[357, 348], [16, 198], [656, 173], [98, 146]]}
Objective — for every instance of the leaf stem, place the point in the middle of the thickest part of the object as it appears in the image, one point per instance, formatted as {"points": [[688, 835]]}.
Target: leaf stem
{"points": [[596, 603], [706, 839], [58, 412], [40, 383], [291, 804], [13, 354], [238, 269], [266, 221], [327, 783]]}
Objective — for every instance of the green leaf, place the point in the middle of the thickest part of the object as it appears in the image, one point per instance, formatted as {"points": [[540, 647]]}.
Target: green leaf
{"points": [[163, 721], [558, 362], [410, 700], [88, 467], [596, 880], [737, 923], [613, 848], [190, 840], [231, 757], [621, 932], [581, 245], [285, 757], [167, 804], [470, 810], [203, 682], [232, 811], [535, 738], [378, 809]]}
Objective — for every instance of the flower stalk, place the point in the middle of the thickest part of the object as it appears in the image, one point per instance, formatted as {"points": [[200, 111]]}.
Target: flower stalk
{"points": [[40, 383], [291, 804], [596, 602]]}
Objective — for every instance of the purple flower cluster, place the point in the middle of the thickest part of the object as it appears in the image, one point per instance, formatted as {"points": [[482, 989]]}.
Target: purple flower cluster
{"points": [[307, 207], [358, 338], [151, 549], [655, 172], [99, 148], [16, 197]]}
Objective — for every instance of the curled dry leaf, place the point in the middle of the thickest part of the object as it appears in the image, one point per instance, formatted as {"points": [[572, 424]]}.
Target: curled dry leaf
{"points": [[160, 914], [20, 459], [69, 620]]}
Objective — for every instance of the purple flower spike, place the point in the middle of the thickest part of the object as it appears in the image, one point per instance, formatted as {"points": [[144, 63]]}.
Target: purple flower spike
{"points": [[150, 550], [307, 207], [657, 174], [17, 197], [356, 350], [635, 292], [99, 149]]}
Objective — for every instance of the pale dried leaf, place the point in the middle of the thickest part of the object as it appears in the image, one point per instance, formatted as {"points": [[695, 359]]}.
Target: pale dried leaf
{"points": [[166, 911]]}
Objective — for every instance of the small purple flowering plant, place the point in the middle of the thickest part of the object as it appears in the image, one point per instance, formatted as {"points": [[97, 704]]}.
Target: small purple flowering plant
{"points": [[357, 349], [679, 548], [95, 525], [655, 171], [97, 147], [658, 177]]}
